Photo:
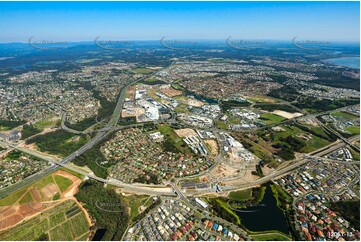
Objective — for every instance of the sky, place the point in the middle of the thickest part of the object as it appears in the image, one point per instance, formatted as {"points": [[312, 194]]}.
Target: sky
{"points": [[84, 21]]}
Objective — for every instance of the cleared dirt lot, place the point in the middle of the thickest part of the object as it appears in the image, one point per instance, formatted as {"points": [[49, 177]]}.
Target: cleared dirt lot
{"points": [[224, 170], [186, 132], [190, 101], [130, 93], [213, 145], [50, 190], [170, 92], [287, 115]]}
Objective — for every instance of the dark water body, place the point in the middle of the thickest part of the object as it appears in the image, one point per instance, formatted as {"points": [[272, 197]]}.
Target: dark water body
{"points": [[265, 216], [351, 62], [99, 234], [203, 99]]}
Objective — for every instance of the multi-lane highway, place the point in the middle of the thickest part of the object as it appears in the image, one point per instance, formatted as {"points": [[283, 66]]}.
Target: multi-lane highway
{"points": [[112, 125], [144, 189], [31, 179], [101, 134], [282, 170]]}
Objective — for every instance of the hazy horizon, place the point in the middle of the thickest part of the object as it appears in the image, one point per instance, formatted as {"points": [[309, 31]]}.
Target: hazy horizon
{"points": [[201, 40], [147, 21]]}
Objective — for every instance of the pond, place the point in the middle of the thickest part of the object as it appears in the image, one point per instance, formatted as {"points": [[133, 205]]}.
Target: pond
{"points": [[201, 98], [264, 216], [204, 99], [99, 234]]}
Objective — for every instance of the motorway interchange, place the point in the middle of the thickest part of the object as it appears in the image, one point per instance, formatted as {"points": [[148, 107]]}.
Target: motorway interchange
{"points": [[169, 189], [112, 126]]}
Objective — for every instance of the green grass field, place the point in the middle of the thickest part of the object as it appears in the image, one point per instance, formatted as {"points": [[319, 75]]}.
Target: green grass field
{"points": [[353, 129], [169, 133], [80, 176], [225, 206], [56, 218], [312, 142], [71, 229], [344, 115], [44, 182], [319, 131], [61, 232], [182, 109], [62, 182], [79, 225], [279, 193], [12, 198], [262, 99], [355, 154], [47, 123], [234, 120], [52, 223], [134, 202], [221, 124], [274, 236], [243, 195], [56, 197], [287, 140], [270, 118], [26, 198]]}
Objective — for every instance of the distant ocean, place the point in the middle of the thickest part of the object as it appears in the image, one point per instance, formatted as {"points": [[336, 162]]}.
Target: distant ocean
{"points": [[352, 62]]}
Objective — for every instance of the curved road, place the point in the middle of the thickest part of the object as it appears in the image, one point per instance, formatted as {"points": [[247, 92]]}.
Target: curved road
{"points": [[102, 133]]}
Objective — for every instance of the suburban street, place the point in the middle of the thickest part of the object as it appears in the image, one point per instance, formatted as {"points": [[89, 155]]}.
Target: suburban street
{"points": [[102, 133]]}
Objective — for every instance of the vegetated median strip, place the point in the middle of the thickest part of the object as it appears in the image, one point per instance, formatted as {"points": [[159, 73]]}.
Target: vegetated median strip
{"points": [[267, 235]]}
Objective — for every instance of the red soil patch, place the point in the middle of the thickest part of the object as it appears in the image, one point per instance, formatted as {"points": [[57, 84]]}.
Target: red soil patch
{"points": [[10, 221], [6, 211], [171, 92], [11, 215], [35, 194]]}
